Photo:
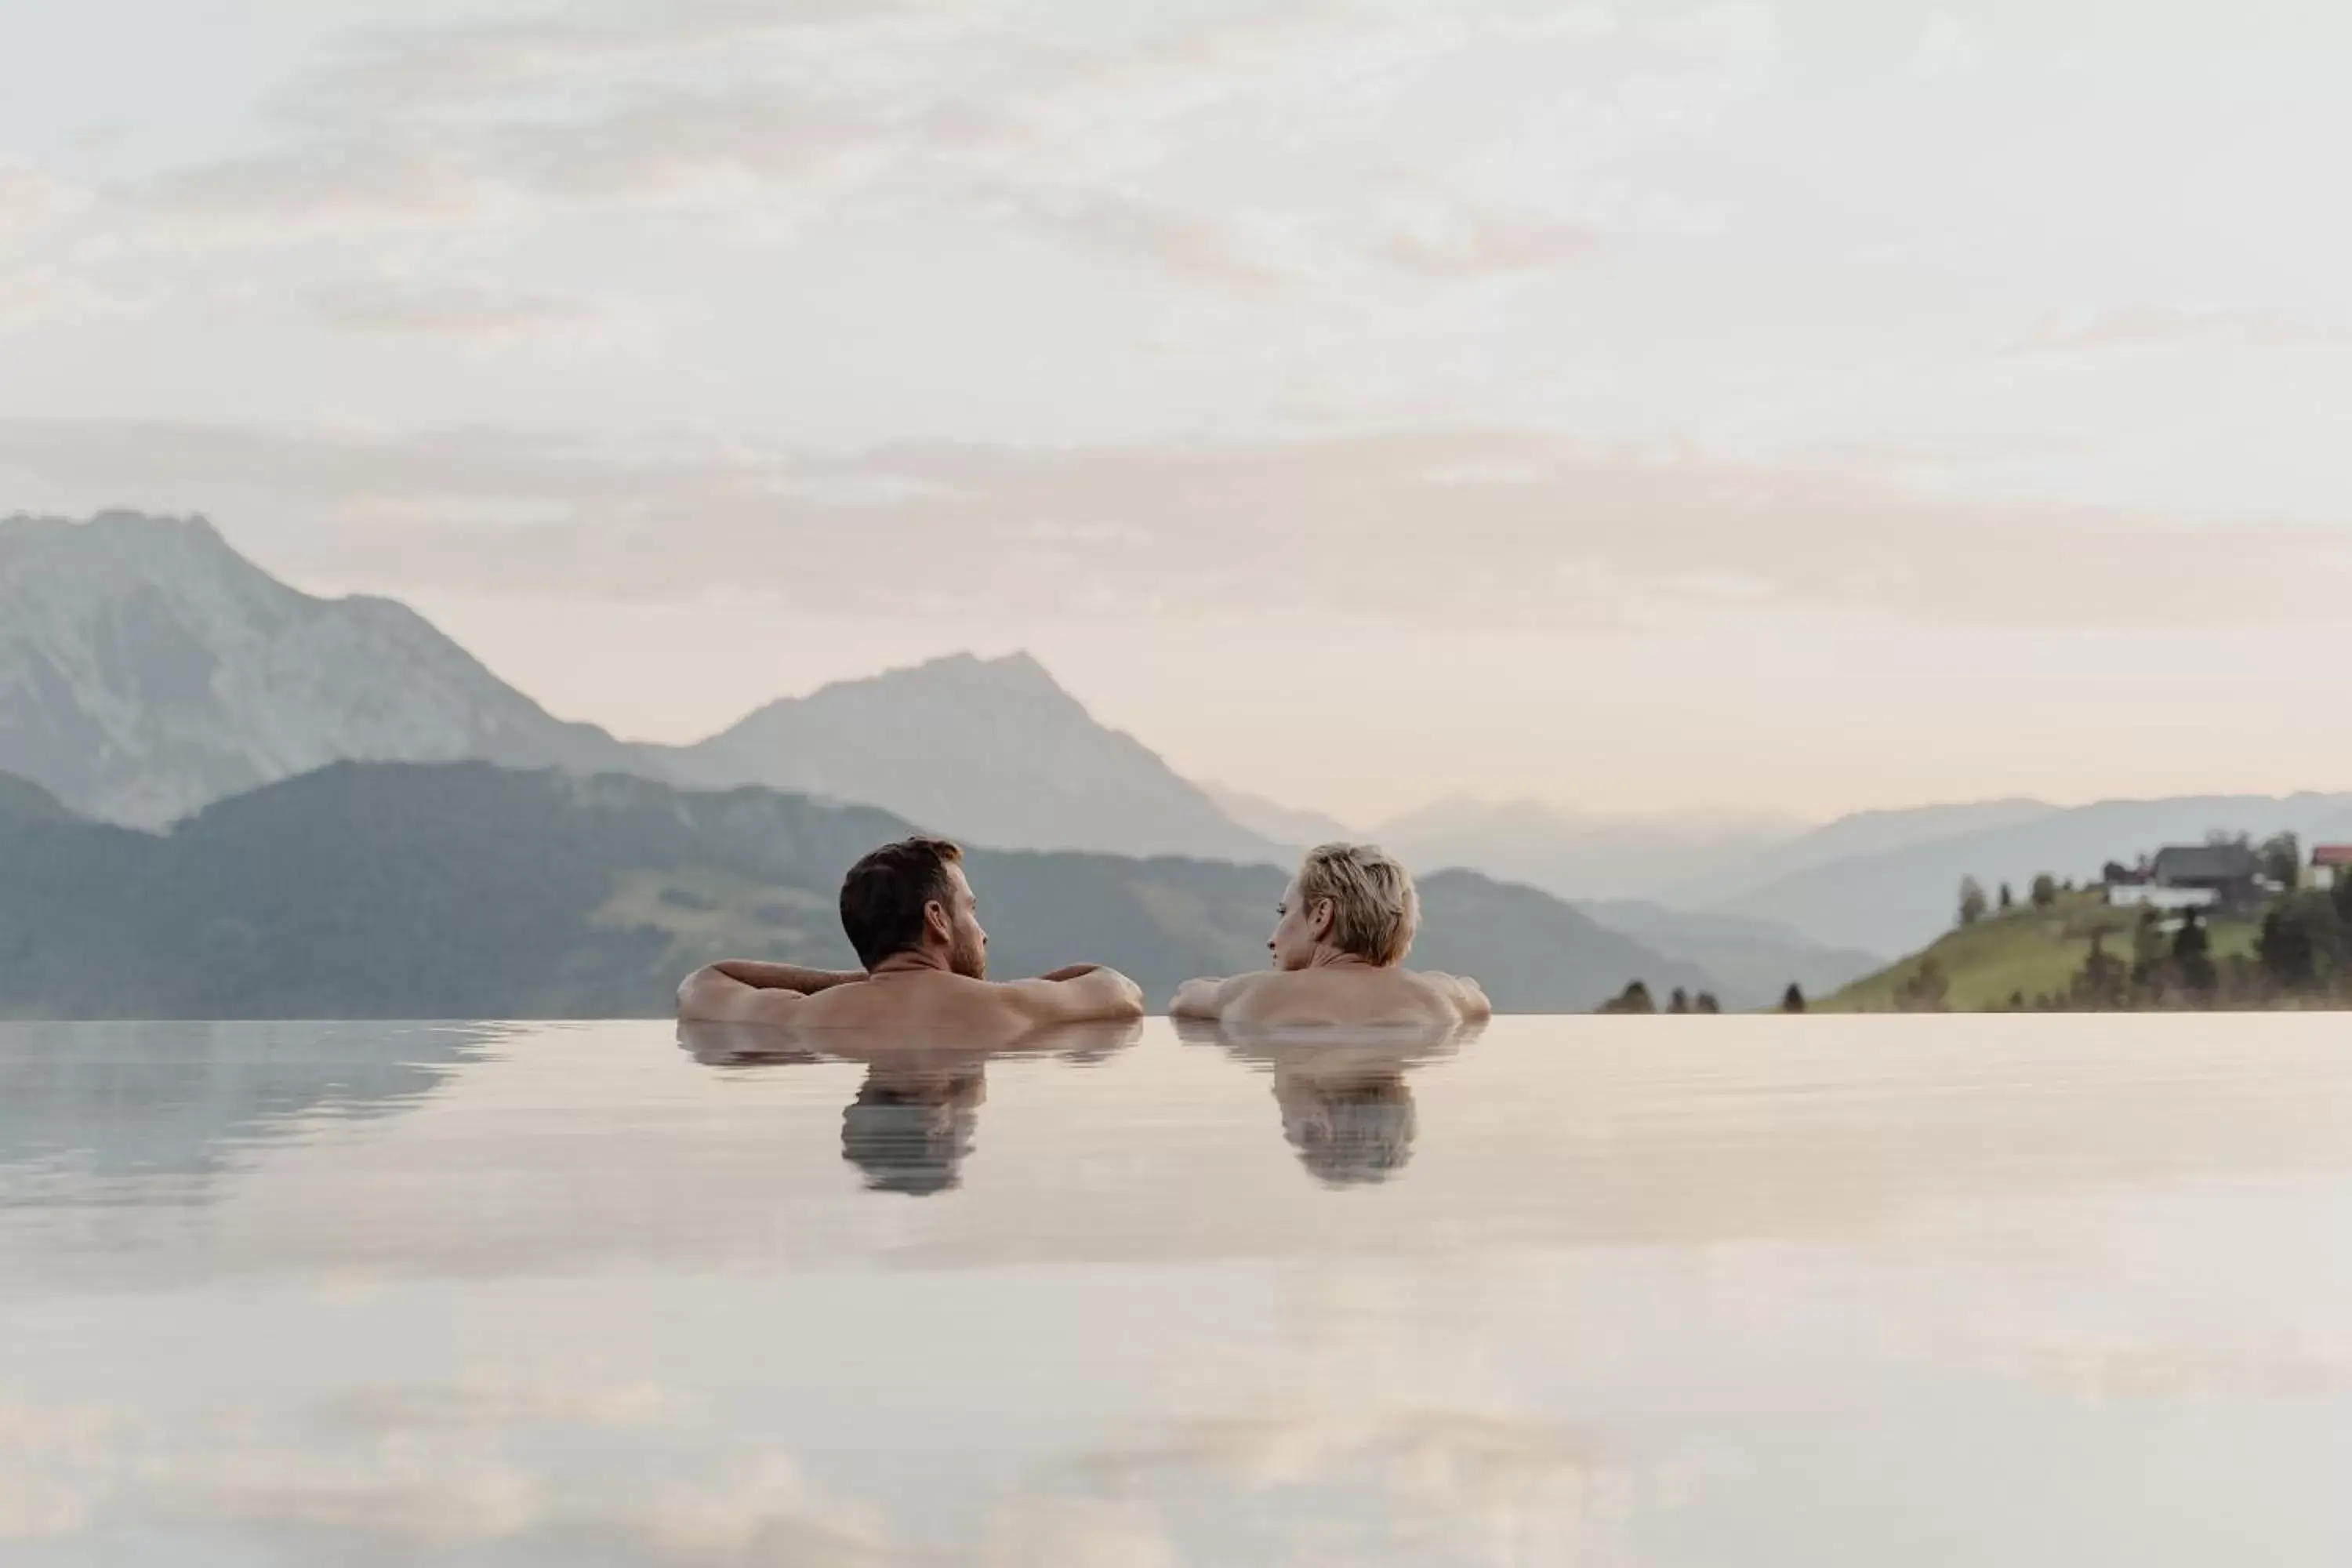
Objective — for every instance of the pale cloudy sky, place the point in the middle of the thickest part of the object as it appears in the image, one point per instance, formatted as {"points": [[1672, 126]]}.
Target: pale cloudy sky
{"points": [[1657, 405]]}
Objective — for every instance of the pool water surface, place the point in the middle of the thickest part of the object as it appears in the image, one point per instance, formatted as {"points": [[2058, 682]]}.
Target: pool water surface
{"points": [[1925, 1290]]}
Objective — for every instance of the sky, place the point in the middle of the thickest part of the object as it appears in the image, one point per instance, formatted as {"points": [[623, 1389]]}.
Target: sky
{"points": [[1650, 408]]}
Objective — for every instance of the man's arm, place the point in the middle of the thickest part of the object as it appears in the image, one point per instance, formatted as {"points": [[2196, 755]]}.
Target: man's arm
{"points": [[786, 977], [1095, 994], [742, 991]]}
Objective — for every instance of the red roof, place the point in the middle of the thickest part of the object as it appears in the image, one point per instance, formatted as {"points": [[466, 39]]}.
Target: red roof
{"points": [[2331, 854]]}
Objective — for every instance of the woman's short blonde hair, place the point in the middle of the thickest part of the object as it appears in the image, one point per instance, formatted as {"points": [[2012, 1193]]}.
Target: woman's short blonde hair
{"points": [[1375, 909]]}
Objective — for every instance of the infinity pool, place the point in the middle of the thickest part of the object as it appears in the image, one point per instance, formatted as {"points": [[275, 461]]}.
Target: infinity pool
{"points": [[1681, 1291]]}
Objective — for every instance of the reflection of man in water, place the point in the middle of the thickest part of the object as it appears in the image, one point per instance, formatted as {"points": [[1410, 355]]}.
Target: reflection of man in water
{"points": [[1345, 1105], [910, 1136], [914, 1118]]}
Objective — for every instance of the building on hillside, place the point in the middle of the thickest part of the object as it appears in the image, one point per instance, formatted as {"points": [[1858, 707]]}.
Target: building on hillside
{"points": [[2228, 871], [2330, 864], [2136, 894]]}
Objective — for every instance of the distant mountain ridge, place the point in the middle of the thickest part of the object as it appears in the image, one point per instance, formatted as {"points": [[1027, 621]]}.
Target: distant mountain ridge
{"points": [[1852, 836], [1292, 828], [146, 669], [463, 890], [992, 750], [1573, 854], [1903, 898], [1753, 961], [1598, 864]]}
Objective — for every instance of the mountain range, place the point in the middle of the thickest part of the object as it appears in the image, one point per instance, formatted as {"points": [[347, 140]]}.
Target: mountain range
{"points": [[147, 669], [1579, 855], [994, 750], [1293, 829], [148, 672], [1899, 898], [403, 891]]}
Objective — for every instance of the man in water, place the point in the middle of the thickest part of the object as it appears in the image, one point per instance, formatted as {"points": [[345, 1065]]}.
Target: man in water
{"points": [[910, 916], [1340, 936]]}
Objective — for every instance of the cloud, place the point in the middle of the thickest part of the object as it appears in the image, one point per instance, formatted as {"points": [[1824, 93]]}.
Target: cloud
{"points": [[325, 185], [388, 1475], [1471, 243], [676, 144], [400, 70], [496, 1404], [39, 285], [405, 1492], [1375, 524], [44, 294], [1126, 227], [469, 313], [489, 122], [767, 1511], [404, 1496], [789, 110], [2151, 329], [2096, 1371], [54, 1469], [1946, 48], [1424, 1455], [1079, 1532], [33, 201]]}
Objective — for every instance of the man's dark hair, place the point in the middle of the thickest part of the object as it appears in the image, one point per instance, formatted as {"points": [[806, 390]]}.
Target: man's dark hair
{"points": [[882, 897]]}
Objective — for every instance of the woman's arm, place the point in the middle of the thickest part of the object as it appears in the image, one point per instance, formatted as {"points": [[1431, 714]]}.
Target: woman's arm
{"points": [[1210, 999]]}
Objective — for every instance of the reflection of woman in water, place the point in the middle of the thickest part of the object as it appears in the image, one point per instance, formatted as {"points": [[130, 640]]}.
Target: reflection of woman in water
{"points": [[914, 1118], [1347, 1129], [1345, 1105]]}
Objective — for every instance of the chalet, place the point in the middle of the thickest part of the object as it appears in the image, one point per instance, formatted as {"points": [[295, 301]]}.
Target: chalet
{"points": [[2226, 871], [2330, 863], [2139, 893]]}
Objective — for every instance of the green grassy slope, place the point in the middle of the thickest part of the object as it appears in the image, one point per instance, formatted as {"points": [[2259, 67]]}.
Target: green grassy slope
{"points": [[2028, 951]]}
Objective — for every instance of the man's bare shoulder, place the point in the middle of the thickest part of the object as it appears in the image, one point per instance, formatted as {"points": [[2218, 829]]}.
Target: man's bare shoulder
{"points": [[902, 998]]}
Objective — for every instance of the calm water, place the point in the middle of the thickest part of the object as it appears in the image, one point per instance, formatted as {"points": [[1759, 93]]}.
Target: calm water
{"points": [[1735, 1291]]}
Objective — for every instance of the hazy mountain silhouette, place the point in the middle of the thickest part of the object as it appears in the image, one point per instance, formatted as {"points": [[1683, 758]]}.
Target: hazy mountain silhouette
{"points": [[1900, 899], [146, 669], [1862, 834], [1752, 960], [382, 890], [1291, 828], [993, 750], [22, 800], [1575, 855]]}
